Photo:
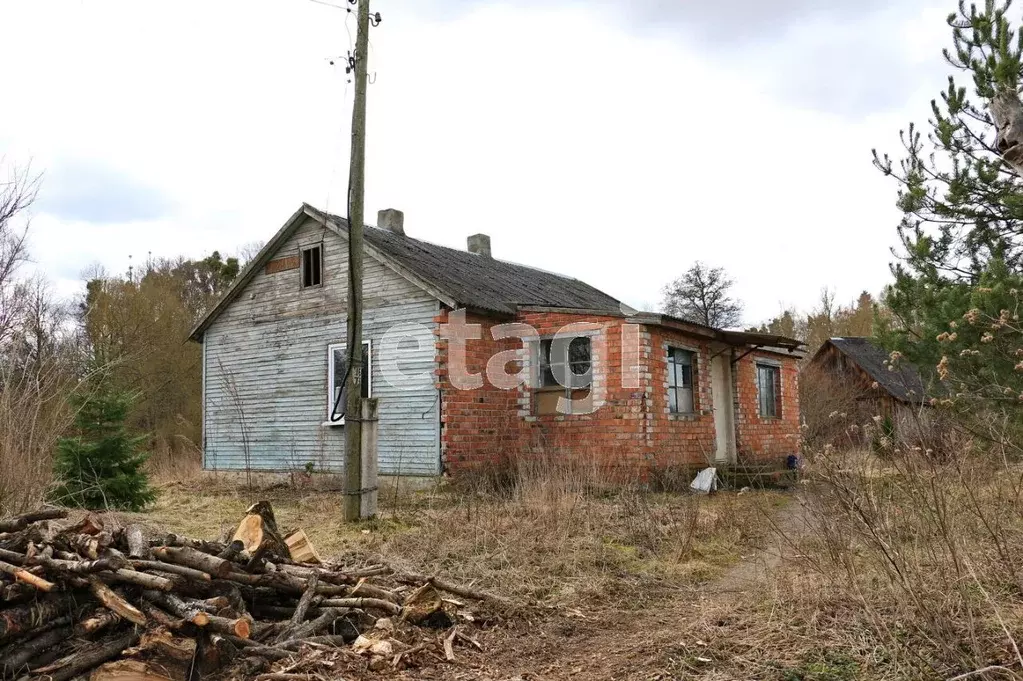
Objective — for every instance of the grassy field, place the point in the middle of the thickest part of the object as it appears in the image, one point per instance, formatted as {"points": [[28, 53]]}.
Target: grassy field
{"points": [[552, 539], [878, 568]]}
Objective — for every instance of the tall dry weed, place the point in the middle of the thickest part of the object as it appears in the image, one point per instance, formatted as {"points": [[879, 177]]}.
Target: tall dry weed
{"points": [[929, 548]]}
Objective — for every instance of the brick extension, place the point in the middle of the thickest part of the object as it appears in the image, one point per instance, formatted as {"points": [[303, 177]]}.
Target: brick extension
{"points": [[489, 425]]}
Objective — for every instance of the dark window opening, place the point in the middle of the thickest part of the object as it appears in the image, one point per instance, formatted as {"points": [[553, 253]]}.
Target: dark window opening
{"points": [[338, 368], [312, 267]]}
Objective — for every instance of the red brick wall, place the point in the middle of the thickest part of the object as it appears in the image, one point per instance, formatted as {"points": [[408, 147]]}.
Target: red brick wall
{"points": [[766, 439], [633, 427], [680, 439]]}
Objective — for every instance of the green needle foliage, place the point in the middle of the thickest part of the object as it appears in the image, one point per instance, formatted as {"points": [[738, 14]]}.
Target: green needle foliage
{"points": [[101, 466], [954, 303]]}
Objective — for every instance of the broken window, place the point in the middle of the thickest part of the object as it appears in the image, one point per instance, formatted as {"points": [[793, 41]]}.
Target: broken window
{"points": [[564, 369], [769, 390], [680, 381], [337, 371], [312, 266]]}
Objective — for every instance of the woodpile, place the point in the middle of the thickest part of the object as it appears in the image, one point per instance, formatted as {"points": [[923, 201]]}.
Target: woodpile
{"points": [[84, 600]]}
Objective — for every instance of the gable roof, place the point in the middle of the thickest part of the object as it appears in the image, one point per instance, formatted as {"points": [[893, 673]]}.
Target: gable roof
{"points": [[457, 278], [904, 383], [480, 282]]}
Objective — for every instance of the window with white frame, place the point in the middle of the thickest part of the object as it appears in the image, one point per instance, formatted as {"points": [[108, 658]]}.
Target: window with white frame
{"points": [[337, 372], [680, 381], [564, 368], [769, 390]]}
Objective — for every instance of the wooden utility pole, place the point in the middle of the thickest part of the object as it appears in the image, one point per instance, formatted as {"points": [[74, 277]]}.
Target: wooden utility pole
{"points": [[356, 197]]}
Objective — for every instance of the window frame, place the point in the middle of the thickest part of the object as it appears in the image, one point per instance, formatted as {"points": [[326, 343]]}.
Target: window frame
{"points": [[302, 265], [538, 370], [343, 347], [677, 389], [775, 371]]}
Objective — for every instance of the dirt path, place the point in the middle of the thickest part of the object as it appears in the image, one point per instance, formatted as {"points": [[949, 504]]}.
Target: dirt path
{"points": [[641, 644]]}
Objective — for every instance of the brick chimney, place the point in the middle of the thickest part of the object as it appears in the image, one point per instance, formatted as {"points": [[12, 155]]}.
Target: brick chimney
{"points": [[391, 219], [480, 245]]}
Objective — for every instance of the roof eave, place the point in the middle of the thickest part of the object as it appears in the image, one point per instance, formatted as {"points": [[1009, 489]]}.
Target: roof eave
{"points": [[248, 272]]}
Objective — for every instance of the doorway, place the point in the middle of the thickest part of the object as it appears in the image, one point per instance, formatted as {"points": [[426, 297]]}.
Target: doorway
{"points": [[724, 421]]}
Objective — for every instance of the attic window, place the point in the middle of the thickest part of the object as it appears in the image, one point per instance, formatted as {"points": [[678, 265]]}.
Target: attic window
{"points": [[312, 266]]}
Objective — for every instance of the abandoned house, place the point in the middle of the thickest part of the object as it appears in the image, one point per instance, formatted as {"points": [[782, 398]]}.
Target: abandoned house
{"points": [[895, 393], [460, 349], [865, 367]]}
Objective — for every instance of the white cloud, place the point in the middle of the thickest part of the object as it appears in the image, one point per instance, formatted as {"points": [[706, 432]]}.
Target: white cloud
{"points": [[577, 144]]}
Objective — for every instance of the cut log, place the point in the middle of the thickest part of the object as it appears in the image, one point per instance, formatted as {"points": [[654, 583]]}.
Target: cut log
{"points": [[27, 650], [364, 588], [143, 579], [130, 670], [317, 625], [172, 568], [301, 549], [234, 548], [160, 616], [16, 593], [111, 600], [84, 660], [85, 545], [300, 610], [163, 645], [101, 619], [20, 522], [422, 603], [193, 558], [259, 526], [22, 620], [172, 539], [138, 544], [362, 603], [190, 612], [463, 591], [23, 575], [91, 524]]}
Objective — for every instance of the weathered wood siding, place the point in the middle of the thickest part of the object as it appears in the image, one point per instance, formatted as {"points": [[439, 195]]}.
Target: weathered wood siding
{"points": [[265, 397]]}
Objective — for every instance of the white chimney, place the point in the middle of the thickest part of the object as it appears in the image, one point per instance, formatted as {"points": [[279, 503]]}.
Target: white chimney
{"points": [[391, 219]]}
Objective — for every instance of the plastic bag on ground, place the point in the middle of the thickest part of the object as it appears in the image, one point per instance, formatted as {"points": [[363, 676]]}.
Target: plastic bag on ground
{"points": [[705, 481]]}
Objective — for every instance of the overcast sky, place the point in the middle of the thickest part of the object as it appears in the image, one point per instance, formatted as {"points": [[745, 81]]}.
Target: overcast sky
{"points": [[616, 141]]}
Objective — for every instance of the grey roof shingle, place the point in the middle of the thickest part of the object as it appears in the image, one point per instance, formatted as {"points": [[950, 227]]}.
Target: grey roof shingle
{"points": [[904, 383], [484, 283]]}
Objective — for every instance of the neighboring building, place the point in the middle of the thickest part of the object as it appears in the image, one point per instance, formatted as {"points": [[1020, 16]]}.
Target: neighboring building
{"points": [[863, 365], [644, 389], [894, 394]]}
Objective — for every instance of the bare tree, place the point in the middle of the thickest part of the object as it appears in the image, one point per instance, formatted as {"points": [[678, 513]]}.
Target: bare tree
{"points": [[701, 295], [17, 193]]}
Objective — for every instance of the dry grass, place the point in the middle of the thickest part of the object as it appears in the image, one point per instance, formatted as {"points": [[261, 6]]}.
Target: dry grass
{"points": [[555, 536], [908, 568]]}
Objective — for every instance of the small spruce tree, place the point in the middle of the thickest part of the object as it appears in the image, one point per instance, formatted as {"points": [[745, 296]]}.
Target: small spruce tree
{"points": [[101, 466]]}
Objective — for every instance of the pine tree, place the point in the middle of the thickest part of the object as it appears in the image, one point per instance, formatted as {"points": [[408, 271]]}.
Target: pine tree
{"points": [[101, 466], [953, 306]]}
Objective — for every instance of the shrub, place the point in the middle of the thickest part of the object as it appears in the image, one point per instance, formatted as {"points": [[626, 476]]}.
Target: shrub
{"points": [[101, 466]]}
